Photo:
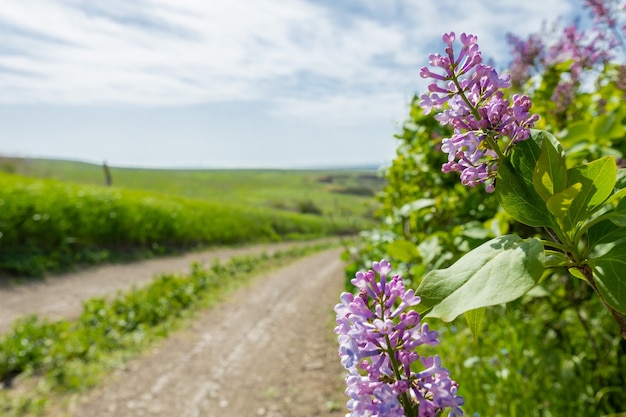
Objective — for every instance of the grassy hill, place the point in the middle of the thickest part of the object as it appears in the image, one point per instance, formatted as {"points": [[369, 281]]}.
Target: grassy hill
{"points": [[338, 193], [56, 214]]}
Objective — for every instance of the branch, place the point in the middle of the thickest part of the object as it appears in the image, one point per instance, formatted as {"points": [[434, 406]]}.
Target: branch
{"points": [[619, 317]]}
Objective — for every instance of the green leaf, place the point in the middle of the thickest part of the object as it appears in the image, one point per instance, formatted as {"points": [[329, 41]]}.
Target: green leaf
{"points": [[617, 195], [514, 185], [605, 232], [474, 320], [560, 203], [416, 205], [597, 178], [498, 271], [610, 278], [620, 183], [402, 250], [550, 173], [576, 273], [618, 215], [577, 132], [607, 126], [618, 218]]}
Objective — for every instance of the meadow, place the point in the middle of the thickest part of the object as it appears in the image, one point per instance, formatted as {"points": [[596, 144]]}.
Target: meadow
{"points": [[334, 192], [58, 214]]}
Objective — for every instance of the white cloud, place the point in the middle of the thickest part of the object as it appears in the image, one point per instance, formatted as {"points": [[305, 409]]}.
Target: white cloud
{"points": [[385, 108], [226, 83], [179, 52], [303, 55]]}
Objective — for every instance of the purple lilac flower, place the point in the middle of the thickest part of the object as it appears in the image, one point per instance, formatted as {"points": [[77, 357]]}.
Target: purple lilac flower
{"points": [[477, 110], [584, 51], [563, 95], [527, 55], [601, 11], [378, 334]]}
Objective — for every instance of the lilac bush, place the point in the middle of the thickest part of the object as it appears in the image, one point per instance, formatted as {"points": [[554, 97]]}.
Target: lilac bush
{"points": [[483, 120], [378, 335], [577, 53], [570, 206], [576, 204]]}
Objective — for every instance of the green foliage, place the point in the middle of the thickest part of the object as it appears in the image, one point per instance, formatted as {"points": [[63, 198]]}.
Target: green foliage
{"points": [[517, 195], [550, 173], [28, 346], [523, 365], [48, 225], [343, 194], [309, 207], [597, 179], [500, 270], [609, 273], [425, 208], [565, 196], [74, 355]]}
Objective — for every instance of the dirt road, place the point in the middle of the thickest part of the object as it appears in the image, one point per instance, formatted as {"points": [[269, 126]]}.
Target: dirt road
{"points": [[62, 296], [266, 351]]}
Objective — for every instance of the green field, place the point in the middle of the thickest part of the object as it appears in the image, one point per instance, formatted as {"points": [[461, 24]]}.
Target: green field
{"points": [[57, 214], [340, 193]]}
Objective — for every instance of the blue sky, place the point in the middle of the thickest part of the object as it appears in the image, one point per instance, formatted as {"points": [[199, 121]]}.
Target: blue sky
{"points": [[230, 83]]}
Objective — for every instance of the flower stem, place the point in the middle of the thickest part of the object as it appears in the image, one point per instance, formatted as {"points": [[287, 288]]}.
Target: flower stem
{"points": [[404, 398], [492, 143]]}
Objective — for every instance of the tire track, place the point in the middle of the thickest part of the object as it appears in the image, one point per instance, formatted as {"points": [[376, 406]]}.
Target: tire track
{"points": [[266, 351], [61, 296]]}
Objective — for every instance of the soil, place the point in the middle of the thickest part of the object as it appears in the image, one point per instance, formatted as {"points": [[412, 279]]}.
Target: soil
{"points": [[267, 350], [61, 296]]}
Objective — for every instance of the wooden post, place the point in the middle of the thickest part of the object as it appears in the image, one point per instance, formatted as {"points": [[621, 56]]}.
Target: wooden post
{"points": [[107, 174]]}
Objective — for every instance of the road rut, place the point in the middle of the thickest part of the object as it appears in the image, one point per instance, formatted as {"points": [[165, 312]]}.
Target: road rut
{"points": [[268, 350], [62, 296]]}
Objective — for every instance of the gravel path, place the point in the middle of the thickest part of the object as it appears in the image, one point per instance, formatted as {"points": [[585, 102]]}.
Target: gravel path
{"points": [[268, 350], [62, 296]]}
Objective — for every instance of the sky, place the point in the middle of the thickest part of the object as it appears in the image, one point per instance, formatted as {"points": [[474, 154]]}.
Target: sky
{"points": [[230, 83]]}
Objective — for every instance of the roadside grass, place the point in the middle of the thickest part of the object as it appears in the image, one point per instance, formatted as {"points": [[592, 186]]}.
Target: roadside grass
{"points": [[50, 225], [524, 365], [44, 363]]}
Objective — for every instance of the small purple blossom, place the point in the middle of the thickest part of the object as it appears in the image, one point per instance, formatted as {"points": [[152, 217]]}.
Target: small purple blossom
{"points": [[584, 50], [468, 96], [378, 333], [527, 55], [602, 12], [581, 49], [563, 95]]}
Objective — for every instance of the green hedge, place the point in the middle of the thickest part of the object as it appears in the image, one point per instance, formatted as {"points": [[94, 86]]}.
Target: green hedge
{"points": [[49, 225]]}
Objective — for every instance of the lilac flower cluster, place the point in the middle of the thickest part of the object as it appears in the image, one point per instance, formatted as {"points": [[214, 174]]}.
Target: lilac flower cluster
{"points": [[476, 109], [602, 12], [583, 50], [377, 340], [527, 55]]}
